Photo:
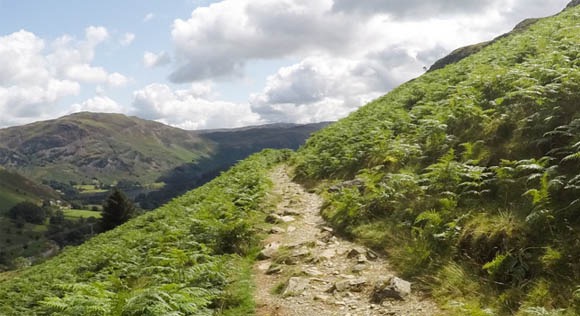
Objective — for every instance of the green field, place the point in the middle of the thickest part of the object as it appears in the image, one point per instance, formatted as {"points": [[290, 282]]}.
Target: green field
{"points": [[76, 214], [89, 188]]}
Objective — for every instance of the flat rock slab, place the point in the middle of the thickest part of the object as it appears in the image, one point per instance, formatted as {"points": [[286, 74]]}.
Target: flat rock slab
{"points": [[295, 286], [270, 250]]}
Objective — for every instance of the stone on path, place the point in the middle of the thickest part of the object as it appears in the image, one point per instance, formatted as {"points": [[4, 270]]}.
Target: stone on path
{"points": [[269, 251], [355, 252], [321, 297], [327, 254], [395, 288], [359, 268], [295, 286], [361, 258], [273, 219], [277, 230], [354, 285], [300, 252], [312, 271], [287, 219], [327, 229], [274, 269], [291, 212]]}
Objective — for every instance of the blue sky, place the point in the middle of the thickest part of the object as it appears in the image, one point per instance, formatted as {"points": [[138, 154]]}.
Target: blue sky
{"points": [[214, 64]]}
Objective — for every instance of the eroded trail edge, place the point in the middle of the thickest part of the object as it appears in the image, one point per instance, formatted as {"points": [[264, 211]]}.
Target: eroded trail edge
{"points": [[304, 269]]}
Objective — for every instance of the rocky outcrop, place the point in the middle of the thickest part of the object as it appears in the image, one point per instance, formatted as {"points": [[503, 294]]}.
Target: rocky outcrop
{"points": [[464, 52], [573, 3]]}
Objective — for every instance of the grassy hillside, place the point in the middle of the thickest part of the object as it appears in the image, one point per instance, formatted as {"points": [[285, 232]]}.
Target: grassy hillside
{"points": [[187, 258], [15, 188], [469, 175]]}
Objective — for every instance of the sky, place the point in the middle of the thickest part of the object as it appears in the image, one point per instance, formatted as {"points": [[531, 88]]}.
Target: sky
{"points": [[199, 64]]}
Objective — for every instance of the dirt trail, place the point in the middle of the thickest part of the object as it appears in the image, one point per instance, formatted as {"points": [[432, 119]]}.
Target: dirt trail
{"points": [[306, 270]]}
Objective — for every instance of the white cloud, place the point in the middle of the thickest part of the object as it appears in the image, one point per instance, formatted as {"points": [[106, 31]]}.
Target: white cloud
{"points": [[191, 108], [72, 59], [320, 89], [414, 9], [86, 73], [151, 60], [148, 17], [26, 81], [102, 104], [343, 54], [127, 39], [117, 80], [348, 52], [216, 41], [36, 77], [96, 34]]}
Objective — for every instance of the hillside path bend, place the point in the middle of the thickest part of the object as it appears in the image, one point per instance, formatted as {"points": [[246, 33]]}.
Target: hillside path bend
{"points": [[309, 271]]}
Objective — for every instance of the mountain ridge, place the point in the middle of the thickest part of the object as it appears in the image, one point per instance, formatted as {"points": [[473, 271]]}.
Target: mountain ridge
{"points": [[463, 52], [84, 146]]}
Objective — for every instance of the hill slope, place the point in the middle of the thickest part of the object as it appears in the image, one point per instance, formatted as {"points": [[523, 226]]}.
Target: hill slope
{"points": [[231, 146], [186, 258], [15, 188], [468, 175]]}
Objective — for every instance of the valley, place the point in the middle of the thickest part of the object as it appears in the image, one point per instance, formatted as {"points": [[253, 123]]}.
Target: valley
{"points": [[456, 193], [81, 157]]}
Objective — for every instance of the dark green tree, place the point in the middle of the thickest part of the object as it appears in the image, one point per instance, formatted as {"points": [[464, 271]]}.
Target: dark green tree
{"points": [[57, 218], [117, 210], [29, 212]]}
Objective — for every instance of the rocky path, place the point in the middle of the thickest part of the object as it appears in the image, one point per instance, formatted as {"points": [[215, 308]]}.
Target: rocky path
{"points": [[304, 269]]}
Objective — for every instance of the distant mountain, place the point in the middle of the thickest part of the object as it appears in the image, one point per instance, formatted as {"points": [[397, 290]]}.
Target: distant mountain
{"points": [[106, 147], [230, 146], [15, 188], [85, 147]]}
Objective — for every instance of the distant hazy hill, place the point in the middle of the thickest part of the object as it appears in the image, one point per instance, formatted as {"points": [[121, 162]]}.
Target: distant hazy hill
{"points": [[110, 147], [15, 188], [104, 146]]}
